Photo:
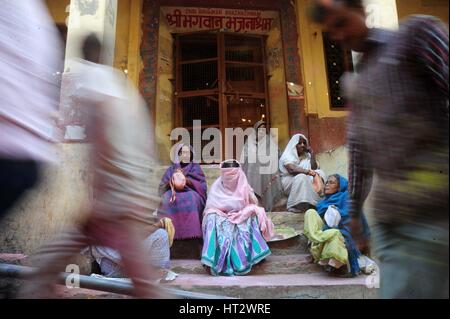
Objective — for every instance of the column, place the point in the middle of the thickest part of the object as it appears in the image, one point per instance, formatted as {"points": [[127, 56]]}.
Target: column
{"points": [[85, 17]]}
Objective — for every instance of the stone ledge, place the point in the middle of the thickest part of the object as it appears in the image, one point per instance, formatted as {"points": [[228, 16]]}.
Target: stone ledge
{"points": [[289, 264], [298, 286]]}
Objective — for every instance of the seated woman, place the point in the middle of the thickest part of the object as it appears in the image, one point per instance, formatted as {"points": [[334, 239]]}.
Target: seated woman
{"points": [[301, 179], [328, 230], [157, 244], [184, 206], [262, 177], [235, 229]]}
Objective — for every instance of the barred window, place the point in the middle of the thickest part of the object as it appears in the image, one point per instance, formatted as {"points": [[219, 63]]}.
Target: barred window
{"points": [[338, 61]]}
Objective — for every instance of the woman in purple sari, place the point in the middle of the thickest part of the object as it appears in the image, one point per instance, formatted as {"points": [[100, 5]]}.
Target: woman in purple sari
{"points": [[187, 208]]}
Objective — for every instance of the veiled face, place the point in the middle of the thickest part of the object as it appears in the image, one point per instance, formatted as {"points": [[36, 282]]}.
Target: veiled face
{"points": [[230, 173]]}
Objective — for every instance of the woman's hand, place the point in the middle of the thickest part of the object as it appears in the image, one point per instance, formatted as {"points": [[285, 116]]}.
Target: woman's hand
{"points": [[312, 173]]}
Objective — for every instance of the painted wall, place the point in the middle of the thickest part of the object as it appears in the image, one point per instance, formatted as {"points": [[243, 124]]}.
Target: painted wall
{"points": [[55, 203], [52, 206], [326, 127], [165, 87], [438, 8], [334, 161], [165, 91], [122, 35], [58, 9], [277, 83]]}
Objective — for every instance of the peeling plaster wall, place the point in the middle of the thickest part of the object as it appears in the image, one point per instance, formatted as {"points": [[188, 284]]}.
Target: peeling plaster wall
{"points": [[334, 161], [165, 91], [122, 34], [277, 83], [50, 207]]}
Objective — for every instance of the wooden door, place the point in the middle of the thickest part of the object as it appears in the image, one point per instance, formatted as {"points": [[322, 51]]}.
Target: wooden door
{"points": [[221, 80]]}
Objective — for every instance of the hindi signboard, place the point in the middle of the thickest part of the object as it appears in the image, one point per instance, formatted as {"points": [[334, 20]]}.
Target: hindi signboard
{"points": [[187, 19]]}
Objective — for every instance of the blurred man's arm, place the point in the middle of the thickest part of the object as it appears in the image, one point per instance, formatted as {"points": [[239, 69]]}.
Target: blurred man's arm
{"points": [[360, 183], [360, 177]]}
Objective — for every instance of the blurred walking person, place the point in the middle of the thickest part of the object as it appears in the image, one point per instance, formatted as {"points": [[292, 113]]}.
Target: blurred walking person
{"points": [[398, 137], [30, 54], [120, 217]]}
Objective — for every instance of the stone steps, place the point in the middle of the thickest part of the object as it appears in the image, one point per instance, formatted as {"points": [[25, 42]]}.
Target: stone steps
{"points": [[191, 249], [278, 277], [283, 286], [283, 276], [272, 265], [317, 285]]}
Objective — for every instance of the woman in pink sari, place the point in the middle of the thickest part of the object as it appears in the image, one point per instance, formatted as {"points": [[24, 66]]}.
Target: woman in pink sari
{"points": [[235, 229]]}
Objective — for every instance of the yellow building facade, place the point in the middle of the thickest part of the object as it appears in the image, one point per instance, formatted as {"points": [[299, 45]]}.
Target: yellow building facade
{"points": [[313, 110]]}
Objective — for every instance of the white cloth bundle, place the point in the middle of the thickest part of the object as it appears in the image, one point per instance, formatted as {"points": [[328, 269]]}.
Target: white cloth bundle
{"points": [[332, 216]]}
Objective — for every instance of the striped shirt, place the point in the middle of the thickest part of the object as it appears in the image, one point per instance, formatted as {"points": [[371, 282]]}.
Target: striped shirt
{"points": [[398, 124]]}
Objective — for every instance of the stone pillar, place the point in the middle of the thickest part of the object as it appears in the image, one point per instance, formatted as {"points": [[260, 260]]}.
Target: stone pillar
{"points": [[85, 17]]}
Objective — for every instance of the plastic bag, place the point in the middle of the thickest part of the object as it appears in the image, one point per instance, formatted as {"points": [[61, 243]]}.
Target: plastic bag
{"points": [[332, 216], [367, 265]]}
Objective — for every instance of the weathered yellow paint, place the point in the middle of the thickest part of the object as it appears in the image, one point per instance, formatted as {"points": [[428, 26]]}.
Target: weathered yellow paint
{"points": [[436, 8], [164, 92], [122, 35], [312, 58], [135, 38], [57, 9], [277, 84]]}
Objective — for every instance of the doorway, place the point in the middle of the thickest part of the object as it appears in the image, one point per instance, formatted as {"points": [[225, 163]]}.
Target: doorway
{"points": [[221, 80]]}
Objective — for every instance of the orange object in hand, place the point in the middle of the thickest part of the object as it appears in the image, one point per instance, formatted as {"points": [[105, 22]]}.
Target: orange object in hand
{"points": [[177, 183]]}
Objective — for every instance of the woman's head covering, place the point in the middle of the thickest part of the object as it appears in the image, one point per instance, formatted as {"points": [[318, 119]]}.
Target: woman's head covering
{"points": [[290, 154], [232, 196], [342, 181], [231, 191], [258, 124], [232, 176], [339, 199]]}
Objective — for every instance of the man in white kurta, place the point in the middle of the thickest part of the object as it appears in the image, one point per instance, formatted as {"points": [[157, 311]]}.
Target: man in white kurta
{"points": [[118, 125]]}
